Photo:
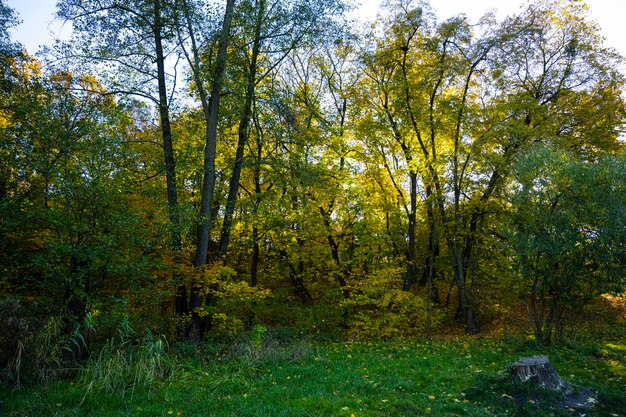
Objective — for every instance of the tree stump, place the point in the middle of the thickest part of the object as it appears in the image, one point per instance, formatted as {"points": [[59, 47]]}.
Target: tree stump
{"points": [[539, 371]]}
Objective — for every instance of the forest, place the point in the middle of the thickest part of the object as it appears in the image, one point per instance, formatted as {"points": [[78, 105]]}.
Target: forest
{"points": [[188, 171]]}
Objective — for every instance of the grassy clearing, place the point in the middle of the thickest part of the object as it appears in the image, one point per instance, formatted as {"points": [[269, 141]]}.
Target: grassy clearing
{"points": [[279, 377]]}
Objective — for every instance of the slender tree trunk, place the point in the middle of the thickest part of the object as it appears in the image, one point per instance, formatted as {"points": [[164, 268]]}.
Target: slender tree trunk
{"points": [[3, 185], [534, 317], [466, 303], [243, 133], [74, 314], [429, 281], [433, 250], [430, 258], [334, 250], [72, 322], [254, 267], [181, 305], [465, 309], [295, 276], [208, 180], [396, 251], [166, 132], [410, 276]]}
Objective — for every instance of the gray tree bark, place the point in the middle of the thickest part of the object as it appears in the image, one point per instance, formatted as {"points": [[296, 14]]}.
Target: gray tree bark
{"points": [[539, 371]]}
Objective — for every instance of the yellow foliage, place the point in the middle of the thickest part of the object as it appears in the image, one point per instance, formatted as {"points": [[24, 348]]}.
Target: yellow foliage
{"points": [[225, 323], [379, 309]]}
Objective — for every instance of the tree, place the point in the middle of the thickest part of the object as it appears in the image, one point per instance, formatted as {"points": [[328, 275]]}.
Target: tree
{"points": [[460, 103], [423, 81], [279, 28], [10, 61], [343, 172], [385, 66], [210, 109], [8, 19], [129, 44], [568, 231], [65, 223]]}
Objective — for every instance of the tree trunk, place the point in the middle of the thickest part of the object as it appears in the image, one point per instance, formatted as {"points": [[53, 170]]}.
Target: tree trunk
{"points": [[3, 185], [257, 202], [433, 252], [75, 310], [166, 132], [429, 282], [539, 371], [334, 250], [410, 276], [180, 298], [465, 310], [396, 251], [428, 274], [254, 267], [72, 323], [208, 180], [242, 135], [295, 276]]}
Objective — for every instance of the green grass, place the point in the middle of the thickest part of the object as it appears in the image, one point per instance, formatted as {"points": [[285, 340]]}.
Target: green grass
{"points": [[461, 377]]}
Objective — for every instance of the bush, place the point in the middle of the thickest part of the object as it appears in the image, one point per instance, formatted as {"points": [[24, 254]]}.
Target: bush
{"points": [[378, 309]]}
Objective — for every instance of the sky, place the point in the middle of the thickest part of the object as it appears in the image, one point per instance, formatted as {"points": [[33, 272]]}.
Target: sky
{"points": [[39, 27]]}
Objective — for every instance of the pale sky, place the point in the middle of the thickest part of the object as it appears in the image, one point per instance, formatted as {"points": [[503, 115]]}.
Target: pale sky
{"points": [[38, 27]]}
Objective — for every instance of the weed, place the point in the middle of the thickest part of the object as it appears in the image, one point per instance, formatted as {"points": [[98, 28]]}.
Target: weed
{"points": [[17, 364], [256, 335], [127, 362]]}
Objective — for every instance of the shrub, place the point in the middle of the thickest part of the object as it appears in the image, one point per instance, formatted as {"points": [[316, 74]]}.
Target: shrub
{"points": [[379, 309]]}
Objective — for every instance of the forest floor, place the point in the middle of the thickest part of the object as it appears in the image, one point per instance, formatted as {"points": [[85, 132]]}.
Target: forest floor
{"points": [[275, 372], [281, 376]]}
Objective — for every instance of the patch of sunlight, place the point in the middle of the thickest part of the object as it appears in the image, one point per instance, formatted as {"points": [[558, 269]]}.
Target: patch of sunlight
{"points": [[617, 301], [616, 367], [616, 346]]}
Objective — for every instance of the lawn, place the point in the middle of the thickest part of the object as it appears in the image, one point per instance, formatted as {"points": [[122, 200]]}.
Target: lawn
{"points": [[278, 375]]}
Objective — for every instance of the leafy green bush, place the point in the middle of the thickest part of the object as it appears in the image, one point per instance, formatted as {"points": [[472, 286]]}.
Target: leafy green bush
{"points": [[378, 309], [567, 228]]}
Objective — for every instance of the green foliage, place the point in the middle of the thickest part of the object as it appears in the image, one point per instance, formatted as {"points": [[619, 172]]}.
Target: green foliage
{"points": [[70, 235], [323, 319], [378, 309], [8, 20], [256, 335], [231, 303], [569, 223]]}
